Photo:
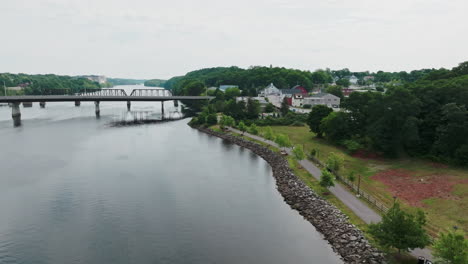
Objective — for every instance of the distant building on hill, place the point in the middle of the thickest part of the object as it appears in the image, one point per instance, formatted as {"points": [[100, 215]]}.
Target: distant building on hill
{"points": [[270, 90], [327, 99], [353, 79]]}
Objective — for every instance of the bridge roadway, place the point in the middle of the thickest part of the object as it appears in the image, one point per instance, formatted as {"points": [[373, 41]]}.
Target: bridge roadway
{"points": [[92, 98], [15, 101]]}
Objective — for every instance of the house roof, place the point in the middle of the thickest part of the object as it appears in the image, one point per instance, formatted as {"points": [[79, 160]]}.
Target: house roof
{"points": [[291, 91], [320, 95]]}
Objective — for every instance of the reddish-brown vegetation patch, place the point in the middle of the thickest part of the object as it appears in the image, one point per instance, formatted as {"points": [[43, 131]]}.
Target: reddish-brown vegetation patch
{"points": [[415, 189]]}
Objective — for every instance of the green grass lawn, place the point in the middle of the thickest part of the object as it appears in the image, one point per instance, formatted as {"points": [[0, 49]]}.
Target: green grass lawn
{"points": [[442, 213]]}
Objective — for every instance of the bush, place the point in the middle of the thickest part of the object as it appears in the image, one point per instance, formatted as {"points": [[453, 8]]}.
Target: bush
{"points": [[211, 119], [313, 152], [298, 152], [352, 145], [334, 162], [326, 180], [307, 106], [268, 134], [253, 129]]}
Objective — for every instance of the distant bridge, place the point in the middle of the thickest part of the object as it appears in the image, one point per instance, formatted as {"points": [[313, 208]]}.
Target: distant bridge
{"points": [[97, 96]]}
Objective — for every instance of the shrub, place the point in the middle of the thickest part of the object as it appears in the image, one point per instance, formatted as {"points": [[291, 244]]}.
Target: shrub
{"points": [[334, 162], [211, 119], [352, 145], [253, 129], [298, 151], [307, 106]]}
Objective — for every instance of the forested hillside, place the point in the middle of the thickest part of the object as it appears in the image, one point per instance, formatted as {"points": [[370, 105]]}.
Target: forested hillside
{"points": [[47, 84]]}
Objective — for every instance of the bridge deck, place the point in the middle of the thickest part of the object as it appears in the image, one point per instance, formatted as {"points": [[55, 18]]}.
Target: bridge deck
{"points": [[91, 98]]}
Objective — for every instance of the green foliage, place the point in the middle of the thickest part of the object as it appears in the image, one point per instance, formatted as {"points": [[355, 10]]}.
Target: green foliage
{"points": [[226, 121], [153, 83], [269, 108], [452, 248], [334, 162], [211, 119], [352, 145], [283, 140], [242, 127], [351, 176], [313, 152], [307, 106], [268, 134], [326, 179], [232, 93], [343, 82], [401, 230], [253, 129], [315, 117], [335, 126], [284, 107], [253, 109], [298, 152], [335, 90]]}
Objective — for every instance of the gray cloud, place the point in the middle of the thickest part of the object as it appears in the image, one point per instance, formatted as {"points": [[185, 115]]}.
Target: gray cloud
{"points": [[147, 38]]}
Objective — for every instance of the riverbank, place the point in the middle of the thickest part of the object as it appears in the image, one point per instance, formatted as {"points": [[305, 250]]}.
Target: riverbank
{"points": [[347, 240]]}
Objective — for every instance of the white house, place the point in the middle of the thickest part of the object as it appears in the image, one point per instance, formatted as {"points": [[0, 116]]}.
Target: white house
{"points": [[353, 79], [327, 99], [270, 90], [297, 100]]}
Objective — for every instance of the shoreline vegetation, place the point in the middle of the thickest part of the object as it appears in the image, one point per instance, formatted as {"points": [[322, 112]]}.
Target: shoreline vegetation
{"points": [[345, 238]]}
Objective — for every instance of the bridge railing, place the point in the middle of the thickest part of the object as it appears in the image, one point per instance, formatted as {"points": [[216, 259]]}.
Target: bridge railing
{"points": [[151, 92], [104, 92]]}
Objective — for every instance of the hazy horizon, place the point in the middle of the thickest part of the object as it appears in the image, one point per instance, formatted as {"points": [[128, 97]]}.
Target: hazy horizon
{"points": [[146, 39]]}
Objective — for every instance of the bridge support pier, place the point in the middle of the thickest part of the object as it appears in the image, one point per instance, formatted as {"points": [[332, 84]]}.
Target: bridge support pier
{"points": [[129, 105], [16, 114], [176, 103], [42, 104], [98, 110], [77, 103], [162, 110]]}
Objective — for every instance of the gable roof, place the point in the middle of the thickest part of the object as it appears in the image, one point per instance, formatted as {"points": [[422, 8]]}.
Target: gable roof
{"points": [[291, 91], [320, 95]]}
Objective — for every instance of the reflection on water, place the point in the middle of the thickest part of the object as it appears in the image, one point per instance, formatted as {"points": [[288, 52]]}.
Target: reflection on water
{"points": [[75, 190]]}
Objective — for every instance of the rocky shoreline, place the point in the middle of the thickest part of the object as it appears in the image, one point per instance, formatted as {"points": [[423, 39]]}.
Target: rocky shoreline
{"points": [[346, 239]]}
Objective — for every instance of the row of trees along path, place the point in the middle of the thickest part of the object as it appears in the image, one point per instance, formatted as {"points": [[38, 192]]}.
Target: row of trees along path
{"points": [[361, 209]]}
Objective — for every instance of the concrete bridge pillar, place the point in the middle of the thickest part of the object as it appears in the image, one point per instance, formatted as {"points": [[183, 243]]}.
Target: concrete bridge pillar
{"points": [[162, 110], [16, 114], [98, 110], [129, 105], [176, 103], [77, 103], [42, 104]]}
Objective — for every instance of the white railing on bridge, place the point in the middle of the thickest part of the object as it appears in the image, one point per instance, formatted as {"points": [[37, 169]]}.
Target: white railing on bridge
{"points": [[151, 92]]}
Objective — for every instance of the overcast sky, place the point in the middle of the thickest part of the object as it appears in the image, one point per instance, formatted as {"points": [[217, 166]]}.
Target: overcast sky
{"points": [[161, 39]]}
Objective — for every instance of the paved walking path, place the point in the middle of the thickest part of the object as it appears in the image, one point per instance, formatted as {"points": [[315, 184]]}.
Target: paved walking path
{"points": [[361, 209]]}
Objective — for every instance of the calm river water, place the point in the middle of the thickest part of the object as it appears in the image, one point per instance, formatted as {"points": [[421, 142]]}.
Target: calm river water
{"points": [[73, 189]]}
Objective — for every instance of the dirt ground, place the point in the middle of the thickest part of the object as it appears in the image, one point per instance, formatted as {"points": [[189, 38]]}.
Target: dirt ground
{"points": [[414, 190]]}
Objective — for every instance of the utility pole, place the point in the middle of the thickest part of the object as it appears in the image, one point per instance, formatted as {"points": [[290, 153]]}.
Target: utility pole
{"points": [[4, 87]]}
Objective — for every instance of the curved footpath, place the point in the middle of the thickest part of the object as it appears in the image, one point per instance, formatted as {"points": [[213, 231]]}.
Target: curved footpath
{"points": [[361, 209], [345, 238]]}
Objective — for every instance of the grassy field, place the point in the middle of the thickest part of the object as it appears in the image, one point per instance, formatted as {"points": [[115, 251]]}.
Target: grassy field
{"points": [[443, 211]]}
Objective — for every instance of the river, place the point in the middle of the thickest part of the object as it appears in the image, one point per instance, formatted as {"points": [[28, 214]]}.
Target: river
{"points": [[74, 189]]}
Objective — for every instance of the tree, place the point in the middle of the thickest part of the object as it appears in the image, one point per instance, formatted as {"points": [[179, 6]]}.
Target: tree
{"points": [[343, 82], [315, 118], [452, 248], [298, 152], [336, 126], [232, 93], [253, 129], [284, 106], [334, 162], [401, 230], [253, 109], [283, 140], [211, 119], [326, 179], [242, 127], [269, 108], [336, 91], [268, 134]]}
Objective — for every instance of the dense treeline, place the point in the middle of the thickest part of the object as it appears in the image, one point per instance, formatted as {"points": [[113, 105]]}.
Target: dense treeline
{"points": [[155, 83], [120, 81], [424, 118], [250, 80], [47, 84], [254, 78]]}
